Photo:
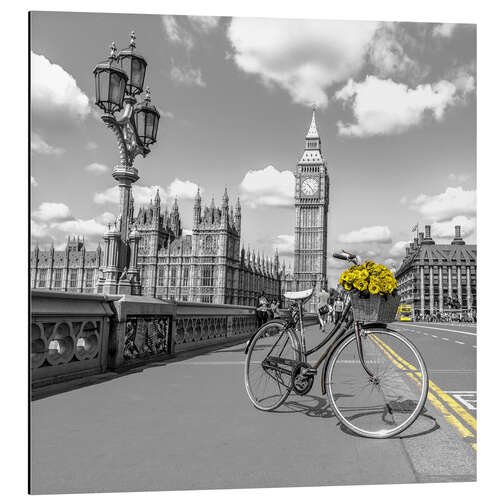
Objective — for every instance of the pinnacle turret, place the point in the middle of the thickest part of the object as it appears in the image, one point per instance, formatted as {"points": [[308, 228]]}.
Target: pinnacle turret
{"points": [[313, 129]]}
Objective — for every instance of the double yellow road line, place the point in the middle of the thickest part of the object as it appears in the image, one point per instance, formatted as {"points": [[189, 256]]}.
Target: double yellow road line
{"points": [[453, 412]]}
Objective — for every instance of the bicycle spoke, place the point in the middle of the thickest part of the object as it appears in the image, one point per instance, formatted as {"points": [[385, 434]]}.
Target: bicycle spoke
{"points": [[389, 401], [267, 367]]}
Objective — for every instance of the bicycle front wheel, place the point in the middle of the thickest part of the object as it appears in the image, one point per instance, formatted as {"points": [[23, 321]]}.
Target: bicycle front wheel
{"points": [[389, 401], [272, 354]]}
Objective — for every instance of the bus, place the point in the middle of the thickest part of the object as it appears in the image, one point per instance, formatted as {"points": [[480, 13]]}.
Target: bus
{"points": [[404, 312]]}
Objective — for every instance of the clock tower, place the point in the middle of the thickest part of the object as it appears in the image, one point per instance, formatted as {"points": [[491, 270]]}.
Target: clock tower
{"points": [[312, 186]]}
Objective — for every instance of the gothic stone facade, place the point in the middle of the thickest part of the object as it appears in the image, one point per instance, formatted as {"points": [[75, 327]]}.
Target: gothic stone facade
{"points": [[74, 269], [432, 274], [208, 265]]}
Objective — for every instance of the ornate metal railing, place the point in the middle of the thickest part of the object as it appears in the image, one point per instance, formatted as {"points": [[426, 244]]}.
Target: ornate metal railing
{"points": [[147, 336], [199, 324]]}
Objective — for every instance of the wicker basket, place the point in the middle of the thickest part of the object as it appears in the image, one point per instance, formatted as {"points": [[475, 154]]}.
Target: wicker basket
{"points": [[375, 308]]}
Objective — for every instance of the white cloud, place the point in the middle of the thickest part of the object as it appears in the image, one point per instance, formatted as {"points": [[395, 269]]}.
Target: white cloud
{"points": [[109, 195], [181, 30], [53, 89], [187, 76], [40, 146], [53, 223], [268, 187], [452, 202], [106, 218], [385, 107], [50, 211], [184, 190], [285, 244], [177, 33], [388, 55], [144, 194], [303, 57], [460, 178], [97, 168], [204, 24], [372, 234], [390, 263], [444, 30], [89, 227], [91, 146], [397, 250], [446, 229], [38, 229], [34, 182], [167, 114]]}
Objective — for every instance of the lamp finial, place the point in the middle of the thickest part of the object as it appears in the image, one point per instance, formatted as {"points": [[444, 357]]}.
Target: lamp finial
{"points": [[132, 40], [147, 96], [112, 50]]}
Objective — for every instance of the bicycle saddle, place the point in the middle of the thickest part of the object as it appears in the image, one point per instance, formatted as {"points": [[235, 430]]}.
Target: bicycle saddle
{"points": [[302, 295]]}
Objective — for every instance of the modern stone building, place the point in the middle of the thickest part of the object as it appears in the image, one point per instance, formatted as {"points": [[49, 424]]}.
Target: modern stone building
{"points": [[312, 187], [432, 275], [208, 265]]}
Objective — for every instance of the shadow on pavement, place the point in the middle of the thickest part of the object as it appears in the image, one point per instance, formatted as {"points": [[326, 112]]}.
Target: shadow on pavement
{"points": [[316, 406], [100, 378]]}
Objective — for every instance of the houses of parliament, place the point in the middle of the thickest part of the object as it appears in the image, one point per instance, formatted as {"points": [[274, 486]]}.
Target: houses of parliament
{"points": [[209, 264]]}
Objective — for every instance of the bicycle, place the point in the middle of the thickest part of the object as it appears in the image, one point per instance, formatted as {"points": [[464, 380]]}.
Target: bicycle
{"points": [[375, 379]]}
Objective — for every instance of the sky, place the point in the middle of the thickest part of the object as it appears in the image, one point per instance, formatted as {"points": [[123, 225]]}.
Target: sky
{"points": [[396, 112]]}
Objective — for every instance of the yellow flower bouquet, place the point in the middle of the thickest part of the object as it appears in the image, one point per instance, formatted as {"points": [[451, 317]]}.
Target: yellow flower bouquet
{"points": [[375, 279], [376, 283]]}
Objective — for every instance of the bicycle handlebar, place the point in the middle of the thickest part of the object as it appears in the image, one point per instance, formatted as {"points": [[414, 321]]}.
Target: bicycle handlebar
{"points": [[345, 256]]}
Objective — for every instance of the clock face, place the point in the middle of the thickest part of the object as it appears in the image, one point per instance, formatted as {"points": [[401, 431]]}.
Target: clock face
{"points": [[310, 186]]}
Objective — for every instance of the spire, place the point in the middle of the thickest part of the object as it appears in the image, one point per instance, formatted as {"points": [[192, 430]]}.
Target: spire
{"points": [[225, 198], [175, 206], [313, 129], [237, 215], [312, 150], [197, 209], [157, 198]]}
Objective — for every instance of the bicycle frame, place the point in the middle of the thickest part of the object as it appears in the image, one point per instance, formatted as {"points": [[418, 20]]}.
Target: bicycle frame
{"points": [[338, 333]]}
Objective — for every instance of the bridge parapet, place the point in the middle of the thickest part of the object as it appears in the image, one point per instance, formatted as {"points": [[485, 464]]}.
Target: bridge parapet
{"points": [[198, 324], [75, 335], [69, 335]]}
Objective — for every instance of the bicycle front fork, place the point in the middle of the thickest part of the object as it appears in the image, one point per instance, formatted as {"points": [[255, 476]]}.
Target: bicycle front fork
{"points": [[357, 330]]}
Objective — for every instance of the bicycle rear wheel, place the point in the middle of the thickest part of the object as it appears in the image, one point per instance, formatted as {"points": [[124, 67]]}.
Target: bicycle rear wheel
{"points": [[272, 354], [387, 403]]}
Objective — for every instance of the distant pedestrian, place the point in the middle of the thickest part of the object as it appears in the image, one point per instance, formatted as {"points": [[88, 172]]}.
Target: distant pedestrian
{"points": [[323, 308], [273, 309], [338, 308], [261, 309]]}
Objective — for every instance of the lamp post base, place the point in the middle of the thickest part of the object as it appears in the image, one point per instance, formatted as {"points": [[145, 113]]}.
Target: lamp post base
{"points": [[125, 287]]}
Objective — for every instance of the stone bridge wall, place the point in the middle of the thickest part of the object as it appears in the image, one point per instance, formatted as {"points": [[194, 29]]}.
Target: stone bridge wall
{"points": [[75, 335]]}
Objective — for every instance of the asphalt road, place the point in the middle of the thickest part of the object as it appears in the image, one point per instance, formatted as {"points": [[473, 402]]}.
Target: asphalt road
{"points": [[450, 353], [188, 424]]}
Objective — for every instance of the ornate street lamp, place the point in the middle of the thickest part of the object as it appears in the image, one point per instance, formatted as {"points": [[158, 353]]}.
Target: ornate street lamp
{"points": [[110, 82], [146, 120], [118, 82], [134, 66]]}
